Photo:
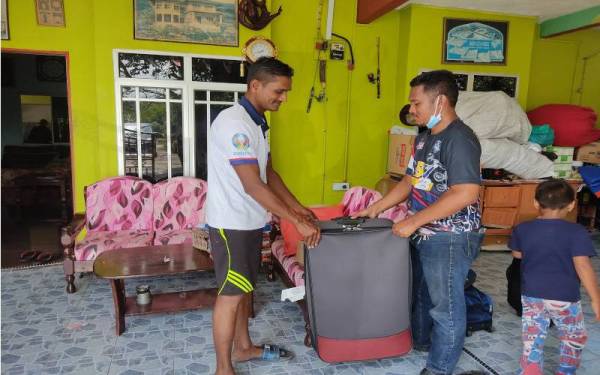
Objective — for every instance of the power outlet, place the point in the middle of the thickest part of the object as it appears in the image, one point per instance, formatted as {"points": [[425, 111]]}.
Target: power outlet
{"points": [[341, 186]]}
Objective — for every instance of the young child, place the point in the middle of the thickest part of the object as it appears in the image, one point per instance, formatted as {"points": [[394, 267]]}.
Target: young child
{"points": [[555, 258]]}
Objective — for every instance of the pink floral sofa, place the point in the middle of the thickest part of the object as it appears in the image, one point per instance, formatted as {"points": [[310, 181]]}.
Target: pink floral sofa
{"points": [[123, 212], [292, 272]]}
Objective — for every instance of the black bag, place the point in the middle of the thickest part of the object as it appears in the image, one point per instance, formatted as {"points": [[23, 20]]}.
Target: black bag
{"points": [[513, 290], [480, 307], [358, 291]]}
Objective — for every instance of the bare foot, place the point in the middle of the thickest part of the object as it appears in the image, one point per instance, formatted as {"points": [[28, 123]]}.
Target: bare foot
{"points": [[241, 355]]}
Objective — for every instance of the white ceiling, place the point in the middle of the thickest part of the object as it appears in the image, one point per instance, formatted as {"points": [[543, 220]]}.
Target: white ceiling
{"points": [[543, 9]]}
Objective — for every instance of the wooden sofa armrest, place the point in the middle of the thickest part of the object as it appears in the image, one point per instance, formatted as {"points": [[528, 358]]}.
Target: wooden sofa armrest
{"points": [[70, 232]]}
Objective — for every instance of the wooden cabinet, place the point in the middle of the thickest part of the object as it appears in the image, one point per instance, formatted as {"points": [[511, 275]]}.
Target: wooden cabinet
{"points": [[506, 204]]}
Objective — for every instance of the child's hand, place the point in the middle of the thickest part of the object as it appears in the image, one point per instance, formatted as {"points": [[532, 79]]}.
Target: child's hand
{"points": [[596, 308]]}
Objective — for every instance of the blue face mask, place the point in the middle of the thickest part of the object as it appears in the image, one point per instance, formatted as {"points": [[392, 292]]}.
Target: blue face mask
{"points": [[434, 119]]}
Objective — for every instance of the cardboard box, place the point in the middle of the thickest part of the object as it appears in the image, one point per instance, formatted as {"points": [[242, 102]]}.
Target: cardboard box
{"points": [[399, 152], [589, 153], [565, 154], [563, 170]]}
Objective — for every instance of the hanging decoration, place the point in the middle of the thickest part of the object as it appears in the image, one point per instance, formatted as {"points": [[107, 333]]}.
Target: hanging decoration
{"points": [[254, 14]]}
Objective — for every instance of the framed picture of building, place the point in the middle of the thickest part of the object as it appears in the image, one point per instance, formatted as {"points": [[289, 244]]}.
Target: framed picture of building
{"points": [[189, 21], [474, 42], [50, 12], [4, 10]]}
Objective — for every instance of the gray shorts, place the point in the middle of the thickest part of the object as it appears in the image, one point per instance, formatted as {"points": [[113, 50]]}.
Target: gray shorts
{"points": [[236, 256]]}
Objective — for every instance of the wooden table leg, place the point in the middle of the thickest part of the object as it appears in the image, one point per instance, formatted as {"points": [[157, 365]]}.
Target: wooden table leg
{"points": [[118, 292]]}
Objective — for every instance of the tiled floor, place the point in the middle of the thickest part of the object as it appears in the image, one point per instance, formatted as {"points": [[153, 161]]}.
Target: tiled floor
{"points": [[46, 331]]}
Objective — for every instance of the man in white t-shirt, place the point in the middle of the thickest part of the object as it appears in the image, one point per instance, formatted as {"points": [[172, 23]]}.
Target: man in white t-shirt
{"points": [[242, 187]]}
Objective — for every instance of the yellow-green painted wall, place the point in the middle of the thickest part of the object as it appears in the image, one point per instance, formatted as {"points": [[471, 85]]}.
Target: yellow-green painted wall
{"points": [[94, 28], [341, 139], [77, 38], [557, 70], [309, 149], [425, 45]]}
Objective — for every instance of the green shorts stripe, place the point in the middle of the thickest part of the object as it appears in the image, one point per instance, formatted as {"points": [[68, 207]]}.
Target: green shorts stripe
{"points": [[236, 256]]}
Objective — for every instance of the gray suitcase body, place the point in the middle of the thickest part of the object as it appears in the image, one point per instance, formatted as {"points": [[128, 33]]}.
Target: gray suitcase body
{"points": [[358, 291]]}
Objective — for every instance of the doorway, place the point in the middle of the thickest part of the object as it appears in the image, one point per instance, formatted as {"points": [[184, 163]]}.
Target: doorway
{"points": [[37, 194]]}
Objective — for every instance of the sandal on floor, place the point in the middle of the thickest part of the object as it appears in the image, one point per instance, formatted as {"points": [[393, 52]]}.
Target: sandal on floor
{"points": [[275, 353], [28, 256], [44, 257]]}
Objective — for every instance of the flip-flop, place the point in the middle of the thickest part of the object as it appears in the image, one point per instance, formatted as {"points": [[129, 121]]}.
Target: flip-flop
{"points": [[44, 257], [275, 353], [28, 256]]}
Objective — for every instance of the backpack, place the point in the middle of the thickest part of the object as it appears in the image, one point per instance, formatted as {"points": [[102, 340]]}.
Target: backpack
{"points": [[480, 308]]}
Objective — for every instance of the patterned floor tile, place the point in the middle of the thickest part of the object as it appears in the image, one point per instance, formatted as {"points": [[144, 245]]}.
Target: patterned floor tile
{"points": [[46, 331]]}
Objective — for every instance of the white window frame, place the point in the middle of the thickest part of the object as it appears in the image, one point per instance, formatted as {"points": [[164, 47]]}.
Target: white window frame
{"points": [[188, 86]]}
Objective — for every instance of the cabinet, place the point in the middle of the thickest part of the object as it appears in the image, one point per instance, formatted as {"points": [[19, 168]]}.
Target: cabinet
{"points": [[506, 204]]}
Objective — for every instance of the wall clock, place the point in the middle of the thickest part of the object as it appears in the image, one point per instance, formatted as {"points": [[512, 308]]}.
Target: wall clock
{"points": [[258, 47], [51, 68]]}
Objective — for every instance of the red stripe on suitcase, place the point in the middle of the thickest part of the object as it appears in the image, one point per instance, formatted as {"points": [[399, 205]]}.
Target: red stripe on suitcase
{"points": [[336, 350]]}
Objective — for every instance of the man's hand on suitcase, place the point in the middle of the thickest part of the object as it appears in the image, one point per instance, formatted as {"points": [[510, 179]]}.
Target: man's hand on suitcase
{"points": [[303, 211], [309, 230], [370, 212], [404, 228]]}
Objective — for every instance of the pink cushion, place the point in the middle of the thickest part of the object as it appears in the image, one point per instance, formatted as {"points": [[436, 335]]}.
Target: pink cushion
{"points": [[98, 242], [289, 263], [396, 213], [291, 235], [358, 198], [178, 203], [173, 237], [119, 203]]}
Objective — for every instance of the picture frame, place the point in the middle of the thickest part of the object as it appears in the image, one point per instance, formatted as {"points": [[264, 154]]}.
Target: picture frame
{"points": [[468, 41], [5, 28], [213, 22], [50, 13]]}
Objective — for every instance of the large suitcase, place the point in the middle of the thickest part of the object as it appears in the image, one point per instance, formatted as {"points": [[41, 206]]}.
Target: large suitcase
{"points": [[358, 282]]}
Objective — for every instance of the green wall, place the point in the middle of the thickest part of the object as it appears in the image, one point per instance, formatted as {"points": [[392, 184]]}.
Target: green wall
{"points": [[557, 70], [93, 29], [310, 149], [425, 45], [341, 139]]}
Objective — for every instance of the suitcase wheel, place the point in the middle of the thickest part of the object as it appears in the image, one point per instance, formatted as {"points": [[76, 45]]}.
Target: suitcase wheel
{"points": [[490, 329], [469, 333]]}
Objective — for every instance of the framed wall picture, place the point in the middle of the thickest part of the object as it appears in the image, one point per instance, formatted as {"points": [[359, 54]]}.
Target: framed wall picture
{"points": [[4, 10], [188, 21], [50, 12], [474, 41]]}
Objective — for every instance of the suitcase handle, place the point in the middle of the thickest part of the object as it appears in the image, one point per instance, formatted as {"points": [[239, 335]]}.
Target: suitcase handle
{"points": [[348, 223]]}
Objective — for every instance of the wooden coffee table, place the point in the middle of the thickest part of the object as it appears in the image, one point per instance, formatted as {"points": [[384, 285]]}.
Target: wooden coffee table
{"points": [[121, 264]]}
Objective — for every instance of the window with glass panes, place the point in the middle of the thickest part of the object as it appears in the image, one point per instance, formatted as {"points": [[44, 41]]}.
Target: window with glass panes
{"points": [[165, 105]]}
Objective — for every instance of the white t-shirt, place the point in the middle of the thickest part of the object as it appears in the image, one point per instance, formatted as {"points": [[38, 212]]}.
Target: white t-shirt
{"points": [[233, 139]]}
